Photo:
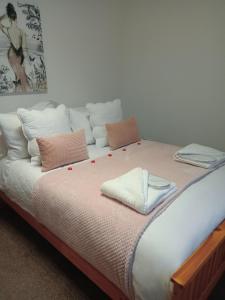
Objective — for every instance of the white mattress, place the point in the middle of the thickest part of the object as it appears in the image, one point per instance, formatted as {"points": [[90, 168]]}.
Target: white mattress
{"points": [[166, 243]]}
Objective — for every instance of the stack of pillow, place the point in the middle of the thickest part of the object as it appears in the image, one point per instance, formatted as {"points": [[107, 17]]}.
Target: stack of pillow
{"points": [[108, 127], [53, 135], [11, 128]]}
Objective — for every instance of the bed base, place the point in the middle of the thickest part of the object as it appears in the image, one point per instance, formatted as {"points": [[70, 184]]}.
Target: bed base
{"points": [[194, 280]]}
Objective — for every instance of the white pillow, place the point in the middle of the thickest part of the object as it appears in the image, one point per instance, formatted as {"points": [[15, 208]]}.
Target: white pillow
{"points": [[3, 147], [44, 123], [34, 152], [100, 134], [102, 113], [79, 118], [83, 110], [10, 126], [16, 143], [33, 149]]}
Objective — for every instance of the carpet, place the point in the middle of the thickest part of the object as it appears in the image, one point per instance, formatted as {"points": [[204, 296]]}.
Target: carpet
{"points": [[31, 269]]}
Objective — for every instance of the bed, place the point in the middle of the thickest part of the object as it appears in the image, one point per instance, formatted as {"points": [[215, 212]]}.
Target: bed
{"points": [[174, 268]]}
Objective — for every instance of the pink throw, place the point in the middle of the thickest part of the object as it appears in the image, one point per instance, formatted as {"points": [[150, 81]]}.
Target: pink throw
{"points": [[101, 230]]}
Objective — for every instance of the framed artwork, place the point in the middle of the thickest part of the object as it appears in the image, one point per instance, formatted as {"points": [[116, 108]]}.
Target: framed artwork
{"points": [[22, 65]]}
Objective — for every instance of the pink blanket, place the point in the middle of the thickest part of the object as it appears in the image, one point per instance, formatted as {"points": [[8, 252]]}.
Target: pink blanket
{"points": [[103, 231]]}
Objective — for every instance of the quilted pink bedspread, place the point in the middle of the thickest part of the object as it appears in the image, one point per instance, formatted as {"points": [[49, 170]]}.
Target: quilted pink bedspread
{"points": [[101, 230]]}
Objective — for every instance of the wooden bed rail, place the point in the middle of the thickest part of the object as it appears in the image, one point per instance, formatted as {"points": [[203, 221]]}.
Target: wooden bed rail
{"points": [[196, 278]]}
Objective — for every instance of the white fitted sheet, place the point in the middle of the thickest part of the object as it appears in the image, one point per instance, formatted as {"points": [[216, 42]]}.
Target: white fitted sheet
{"points": [[166, 243]]}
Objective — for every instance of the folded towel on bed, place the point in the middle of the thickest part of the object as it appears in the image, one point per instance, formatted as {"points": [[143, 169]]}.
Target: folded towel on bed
{"points": [[201, 156], [139, 190]]}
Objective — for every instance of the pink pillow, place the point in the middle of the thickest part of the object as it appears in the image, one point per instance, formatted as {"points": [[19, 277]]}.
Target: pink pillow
{"points": [[122, 133], [62, 149]]}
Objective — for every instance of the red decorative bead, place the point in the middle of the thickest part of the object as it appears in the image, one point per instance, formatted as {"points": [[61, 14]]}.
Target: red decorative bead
{"points": [[109, 155], [69, 168], [124, 149], [93, 161]]}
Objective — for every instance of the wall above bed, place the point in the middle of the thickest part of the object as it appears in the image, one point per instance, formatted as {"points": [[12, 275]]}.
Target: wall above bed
{"points": [[81, 43], [174, 69], [164, 59]]}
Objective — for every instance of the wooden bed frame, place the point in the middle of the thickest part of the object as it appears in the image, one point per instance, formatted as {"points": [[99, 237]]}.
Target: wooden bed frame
{"points": [[194, 280]]}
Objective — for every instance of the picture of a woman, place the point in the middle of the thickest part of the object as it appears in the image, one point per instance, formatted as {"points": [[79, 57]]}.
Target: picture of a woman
{"points": [[17, 48]]}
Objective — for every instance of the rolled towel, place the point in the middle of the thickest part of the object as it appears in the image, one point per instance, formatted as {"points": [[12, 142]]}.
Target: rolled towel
{"points": [[139, 190], [201, 156]]}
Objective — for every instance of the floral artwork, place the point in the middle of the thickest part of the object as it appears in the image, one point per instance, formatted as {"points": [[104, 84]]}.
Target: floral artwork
{"points": [[22, 65]]}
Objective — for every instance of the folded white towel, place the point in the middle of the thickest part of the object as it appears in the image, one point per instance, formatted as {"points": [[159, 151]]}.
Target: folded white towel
{"points": [[201, 156], [139, 190]]}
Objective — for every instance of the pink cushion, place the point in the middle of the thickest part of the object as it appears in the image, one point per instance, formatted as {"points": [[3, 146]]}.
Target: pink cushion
{"points": [[62, 149], [122, 133]]}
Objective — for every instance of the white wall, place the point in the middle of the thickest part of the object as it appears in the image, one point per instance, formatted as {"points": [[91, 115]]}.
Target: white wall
{"points": [[174, 69], [82, 45], [165, 59]]}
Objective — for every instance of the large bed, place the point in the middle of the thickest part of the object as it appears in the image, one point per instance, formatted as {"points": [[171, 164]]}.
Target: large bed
{"points": [[180, 255]]}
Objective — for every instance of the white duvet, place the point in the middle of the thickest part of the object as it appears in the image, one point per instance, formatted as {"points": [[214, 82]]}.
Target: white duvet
{"points": [[166, 243]]}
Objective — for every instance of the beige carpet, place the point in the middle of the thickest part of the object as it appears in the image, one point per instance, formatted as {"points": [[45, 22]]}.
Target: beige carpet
{"points": [[32, 269]]}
